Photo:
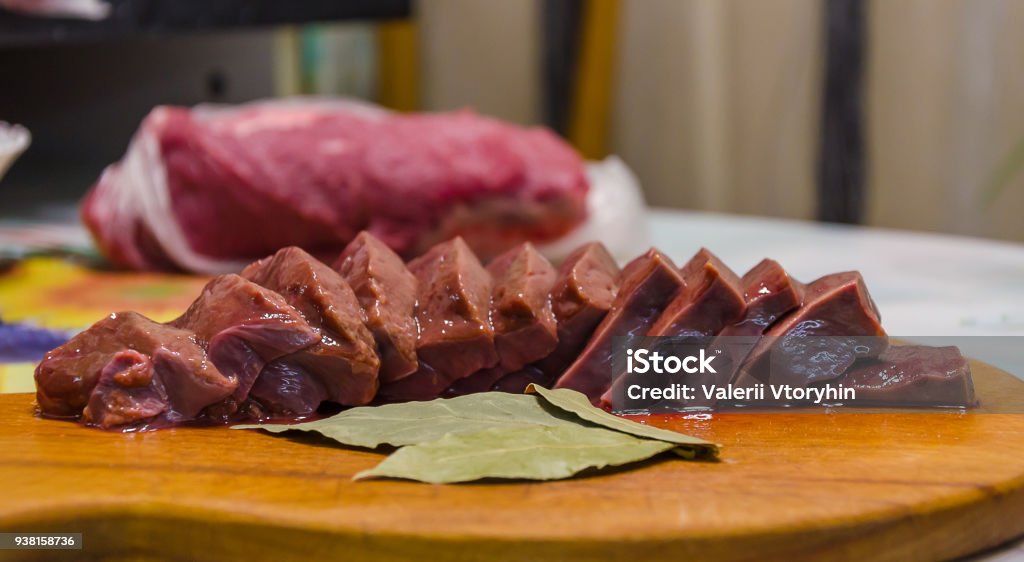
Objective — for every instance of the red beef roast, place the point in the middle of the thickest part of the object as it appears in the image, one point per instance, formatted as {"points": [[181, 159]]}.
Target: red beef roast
{"points": [[210, 189]]}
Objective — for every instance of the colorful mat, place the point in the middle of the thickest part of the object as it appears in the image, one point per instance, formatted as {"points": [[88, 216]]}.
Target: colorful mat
{"points": [[44, 300]]}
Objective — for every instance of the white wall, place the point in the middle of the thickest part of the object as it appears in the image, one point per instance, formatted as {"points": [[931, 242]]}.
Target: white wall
{"points": [[483, 54], [717, 103]]}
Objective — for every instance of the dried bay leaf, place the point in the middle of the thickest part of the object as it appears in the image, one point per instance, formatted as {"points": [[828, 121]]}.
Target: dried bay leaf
{"points": [[411, 423], [578, 404], [537, 452], [547, 435]]}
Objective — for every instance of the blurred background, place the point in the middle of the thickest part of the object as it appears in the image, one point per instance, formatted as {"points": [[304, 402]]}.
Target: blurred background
{"points": [[896, 113]]}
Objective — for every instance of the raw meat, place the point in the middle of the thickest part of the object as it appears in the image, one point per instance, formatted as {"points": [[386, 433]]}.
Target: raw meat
{"points": [[345, 359], [769, 293], [521, 311], [285, 389], [711, 299], [127, 391], [837, 325], [911, 375], [210, 189], [583, 294], [456, 338], [517, 382], [453, 314], [649, 283], [243, 327], [127, 369], [524, 325], [290, 333], [387, 292]]}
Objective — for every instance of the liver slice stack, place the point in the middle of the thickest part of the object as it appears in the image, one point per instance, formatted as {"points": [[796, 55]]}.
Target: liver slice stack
{"points": [[386, 289], [649, 283], [344, 361], [456, 338], [524, 325], [292, 333]]}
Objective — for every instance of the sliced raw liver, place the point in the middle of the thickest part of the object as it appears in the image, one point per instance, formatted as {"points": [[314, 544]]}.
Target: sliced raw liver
{"points": [[649, 283], [425, 384], [127, 369], [711, 299], [286, 389], [517, 382], [837, 324], [480, 381], [453, 311], [584, 290], [769, 293], [345, 359], [912, 375], [128, 392], [456, 338], [524, 325], [243, 327], [386, 289]]}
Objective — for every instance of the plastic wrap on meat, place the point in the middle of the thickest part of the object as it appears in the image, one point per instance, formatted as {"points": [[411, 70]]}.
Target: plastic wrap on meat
{"points": [[210, 189]]}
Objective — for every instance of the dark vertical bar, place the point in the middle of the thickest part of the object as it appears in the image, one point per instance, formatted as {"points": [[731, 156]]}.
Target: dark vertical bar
{"points": [[841, 157], [561, 24]]}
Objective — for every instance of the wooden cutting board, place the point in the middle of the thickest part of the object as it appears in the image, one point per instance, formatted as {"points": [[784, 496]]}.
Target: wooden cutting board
{"points": [[892, 486]]}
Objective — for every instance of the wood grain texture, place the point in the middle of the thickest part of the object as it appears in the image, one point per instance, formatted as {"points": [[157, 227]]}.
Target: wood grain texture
{"points": [[892, 486]]}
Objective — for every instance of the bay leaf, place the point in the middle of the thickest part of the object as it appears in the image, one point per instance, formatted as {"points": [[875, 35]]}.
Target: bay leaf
{"points": [[411, 423], [537, 452], [578, 404]]}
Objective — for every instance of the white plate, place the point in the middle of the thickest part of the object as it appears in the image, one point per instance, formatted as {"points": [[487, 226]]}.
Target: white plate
{"points": [[14, 139]]}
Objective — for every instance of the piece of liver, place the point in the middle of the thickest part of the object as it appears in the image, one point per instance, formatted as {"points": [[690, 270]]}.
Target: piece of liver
{"points": [[524, 323], [425, 384], [453, 312], [386, 289], [456, 338], [648, 284], [286, 389], [525, 329], [243, 327], [127, 369], [128, 392], [837, 324], [770, 293], [345, 359], [517, 381], [912, 375], [584, 290], [711, 299], [480, 381]]}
